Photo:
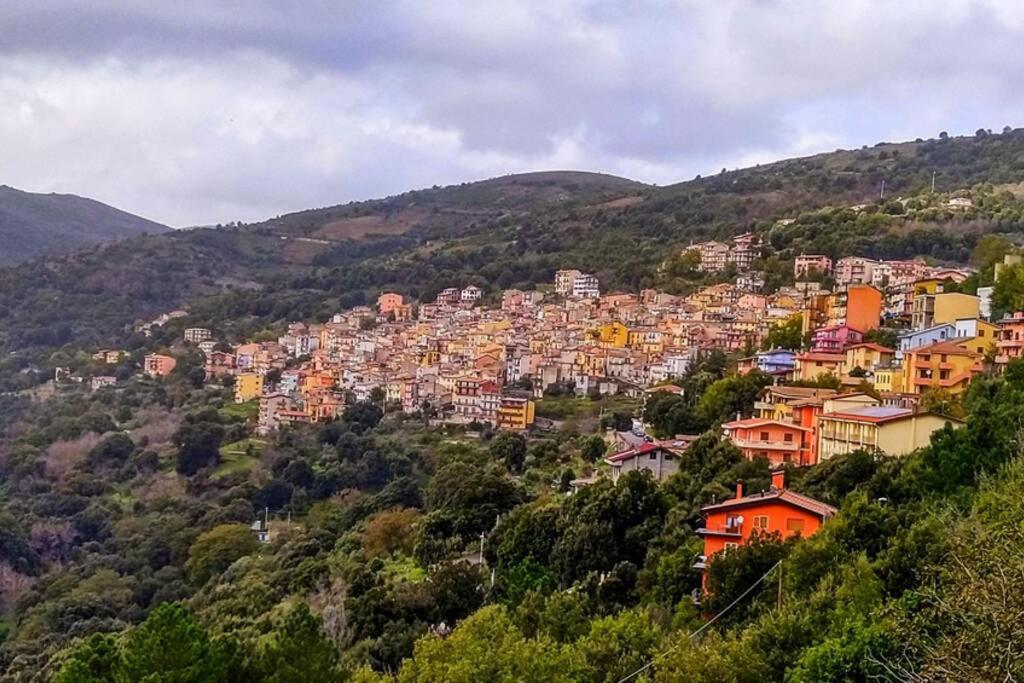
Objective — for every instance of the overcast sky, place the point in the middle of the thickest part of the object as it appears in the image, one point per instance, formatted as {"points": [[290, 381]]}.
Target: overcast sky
{"points": [[197, 111]]}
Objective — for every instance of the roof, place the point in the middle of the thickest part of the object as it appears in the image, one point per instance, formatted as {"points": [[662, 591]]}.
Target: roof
{"points": [[947, 347], [873, 346], [832, 357], [642, 449], [783, 496], [801, 392], [758, 422], [875, 414]]}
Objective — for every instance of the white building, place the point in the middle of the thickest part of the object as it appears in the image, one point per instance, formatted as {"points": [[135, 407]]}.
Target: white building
{"points": [[564, 280], [586, 286], [196, 335]]}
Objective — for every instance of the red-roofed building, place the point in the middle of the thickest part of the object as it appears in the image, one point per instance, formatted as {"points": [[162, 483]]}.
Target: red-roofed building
{"points": [[779, 441], [731, 524], [658, 459]]}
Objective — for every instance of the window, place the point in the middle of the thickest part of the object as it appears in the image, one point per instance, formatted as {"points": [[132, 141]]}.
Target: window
{"points": [[731, 545], [652, 456], [794, 525], [668, 457], [761, 522], [788, 438], [764, 436]]}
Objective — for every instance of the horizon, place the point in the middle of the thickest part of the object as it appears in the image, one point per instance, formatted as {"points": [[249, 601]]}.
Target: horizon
{"points": [[198, 115]]}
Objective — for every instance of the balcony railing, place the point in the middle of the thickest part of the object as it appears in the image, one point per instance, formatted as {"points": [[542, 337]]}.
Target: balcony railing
{"points": [[766, 445], [722, 530]]}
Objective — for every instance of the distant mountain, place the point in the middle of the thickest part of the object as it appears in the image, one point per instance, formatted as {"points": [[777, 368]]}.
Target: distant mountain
{"points": [[33, 224]]}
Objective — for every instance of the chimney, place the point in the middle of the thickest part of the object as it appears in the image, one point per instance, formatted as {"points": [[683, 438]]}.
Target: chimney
{"points": [[739, 488], [779, 479]]}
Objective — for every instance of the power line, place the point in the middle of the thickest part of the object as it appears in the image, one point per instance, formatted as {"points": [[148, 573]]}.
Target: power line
{"points": [[703, 628]]}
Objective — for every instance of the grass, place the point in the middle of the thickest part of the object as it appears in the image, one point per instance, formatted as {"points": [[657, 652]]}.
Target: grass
{"points": [[240, 456], [566, 407], [242, 412]]}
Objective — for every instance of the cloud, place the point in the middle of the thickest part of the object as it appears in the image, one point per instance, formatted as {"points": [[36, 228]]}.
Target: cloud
{"points": [[196, 112]]}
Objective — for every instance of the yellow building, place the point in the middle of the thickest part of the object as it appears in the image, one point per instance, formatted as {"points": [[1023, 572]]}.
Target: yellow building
{"points": [[929, 310], [894, 431], [949, 365], [889, 379], [613, 334], [867, 356], [812, 365], [515, 414], [248, 387]]}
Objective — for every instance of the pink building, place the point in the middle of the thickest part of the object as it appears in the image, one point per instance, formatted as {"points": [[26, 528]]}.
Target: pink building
{"points": [[389, 302], [834, 339], [805, 263]]}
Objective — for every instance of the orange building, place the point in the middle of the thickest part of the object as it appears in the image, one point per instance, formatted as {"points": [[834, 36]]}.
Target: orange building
{"points": [[859, 307], [948, 365], [780, 442], [158, 365], [732, 523], [389, 302]]}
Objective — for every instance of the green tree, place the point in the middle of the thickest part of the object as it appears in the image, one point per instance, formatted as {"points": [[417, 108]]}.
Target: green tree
{"points": [[785, 335], [300, 652], [170, 647], [509, 448], [217, 549], [593, 448]]}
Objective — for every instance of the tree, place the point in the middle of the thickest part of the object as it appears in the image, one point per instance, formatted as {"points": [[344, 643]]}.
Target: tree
{"points": [[389, 532], [362, 416], [941, 402], [732, 572], [785, 335], [300, 651], [113, 450], [198, 446], [510, 448], [593, 448], [217, 549], [171, 647]]}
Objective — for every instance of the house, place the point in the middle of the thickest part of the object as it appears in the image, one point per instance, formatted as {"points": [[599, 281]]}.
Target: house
{"points": [[585, 286], [777, 362], [100, 381], [1010, 338], [949, 365], [515, 413], [890, 430], [248, 386], [915, 338], [835, 339], [780, 442], [195, 335], [928, 310], [449, 296], [389, 302], [811, 366], [854, 270], [158, 365], [859, 306], [564, 280], [808, 263], [109, 356], [470, 294], [731, 523], [867, 356], [660, 460]]}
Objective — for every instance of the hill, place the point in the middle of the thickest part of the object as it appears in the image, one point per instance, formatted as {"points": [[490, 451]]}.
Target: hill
{"points": [[513, 231], [33, 224]]}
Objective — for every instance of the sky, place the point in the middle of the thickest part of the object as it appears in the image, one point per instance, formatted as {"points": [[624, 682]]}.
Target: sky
{"points": [[198, 112]]}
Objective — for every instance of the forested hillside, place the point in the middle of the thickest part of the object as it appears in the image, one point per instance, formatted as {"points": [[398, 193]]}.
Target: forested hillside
{"points": [[33, 225], [398, 550]]}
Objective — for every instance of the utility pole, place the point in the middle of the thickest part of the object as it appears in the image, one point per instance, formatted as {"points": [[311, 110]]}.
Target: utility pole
{"points": [[482, 536], [881, 194], [933, 182], [780, 586]]}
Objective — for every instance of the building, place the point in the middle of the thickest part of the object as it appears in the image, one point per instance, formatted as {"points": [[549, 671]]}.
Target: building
{"points": [[470, 294], [751, 281], [777, 362], [928, 310], [515, 413], [854, 270], [158, 365], [659, 460], [248, 386], [389, 302], [744, 251], [109, 356], [449, 296], [835, 339], [858, 306], [778, 441], [867, 357], [949, 365], [890, 430], [810, 366], [713, 256], [585, 286], [564, 280], [100, 381], [730, 524], [195, 335], [1010, 338], [805, 264]]}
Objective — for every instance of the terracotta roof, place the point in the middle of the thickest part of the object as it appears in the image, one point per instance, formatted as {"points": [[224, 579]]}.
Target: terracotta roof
{"points": [[833, 357], [642, 449], [873, 346], [757, 422], [947, 347], [784, 496]]}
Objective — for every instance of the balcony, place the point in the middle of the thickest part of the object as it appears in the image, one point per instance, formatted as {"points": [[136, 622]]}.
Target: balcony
{"points": [[730, 530], [758, 444]]}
